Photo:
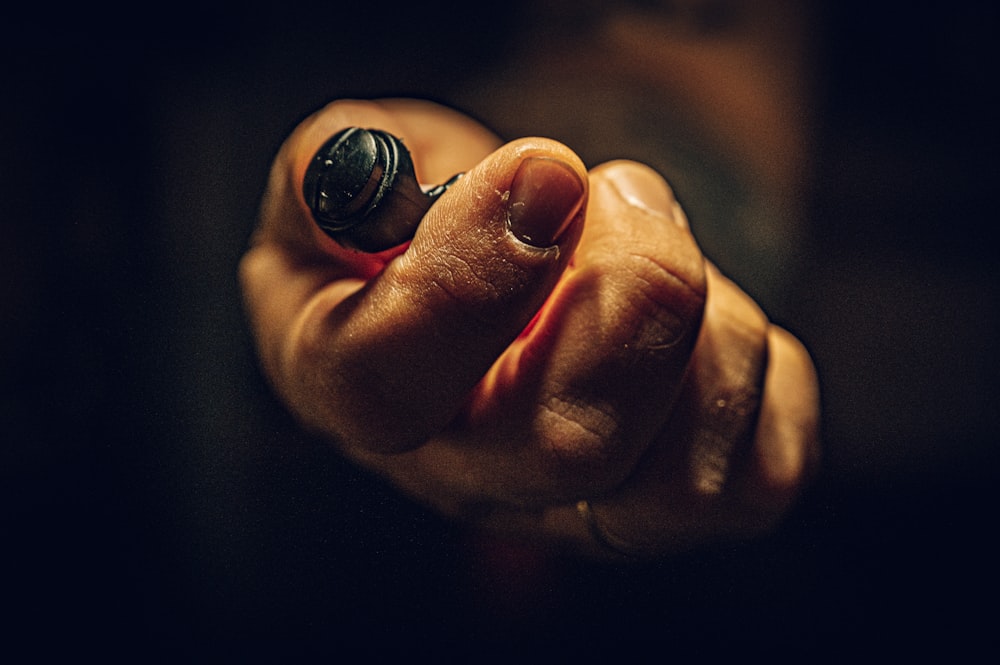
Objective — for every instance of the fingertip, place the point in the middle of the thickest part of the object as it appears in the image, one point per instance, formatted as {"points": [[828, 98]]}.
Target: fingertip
{"points": [[642, 187]]}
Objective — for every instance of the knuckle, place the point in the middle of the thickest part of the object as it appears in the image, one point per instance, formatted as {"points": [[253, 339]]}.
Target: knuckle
{"points": [[585, 451], [665, 304], [654, 307]]}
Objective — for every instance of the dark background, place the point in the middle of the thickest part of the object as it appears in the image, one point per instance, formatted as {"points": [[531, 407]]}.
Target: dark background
{"points": [[158, 504]]}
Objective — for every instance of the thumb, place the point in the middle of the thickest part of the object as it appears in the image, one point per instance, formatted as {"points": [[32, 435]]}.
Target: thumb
{"points": [[393, 364]]}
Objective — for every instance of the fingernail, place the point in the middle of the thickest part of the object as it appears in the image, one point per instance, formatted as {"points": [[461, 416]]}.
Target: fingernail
{"points": [[545, 195], [643, 187]]}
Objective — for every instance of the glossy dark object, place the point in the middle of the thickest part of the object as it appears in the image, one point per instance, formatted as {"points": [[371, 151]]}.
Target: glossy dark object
{"points": [[362, 191]]}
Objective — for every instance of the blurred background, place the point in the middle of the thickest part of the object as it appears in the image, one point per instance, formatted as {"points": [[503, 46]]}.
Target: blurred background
{"points": [[837, 159]]}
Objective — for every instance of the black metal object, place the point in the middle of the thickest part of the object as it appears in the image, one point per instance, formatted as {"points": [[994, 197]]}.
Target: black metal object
{"points": [[362, 191]]}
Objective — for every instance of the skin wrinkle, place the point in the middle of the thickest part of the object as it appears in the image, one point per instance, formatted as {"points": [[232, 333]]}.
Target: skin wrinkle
{"points": [[580, 414], [664, 329], [586, 447], [660, 276], [607, 425], [671, 273], [600, 279], [712, 465], [453, 278], [458, 279]]}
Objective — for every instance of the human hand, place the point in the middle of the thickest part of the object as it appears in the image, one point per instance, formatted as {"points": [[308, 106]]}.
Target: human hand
{"points": [[551, 355]]}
